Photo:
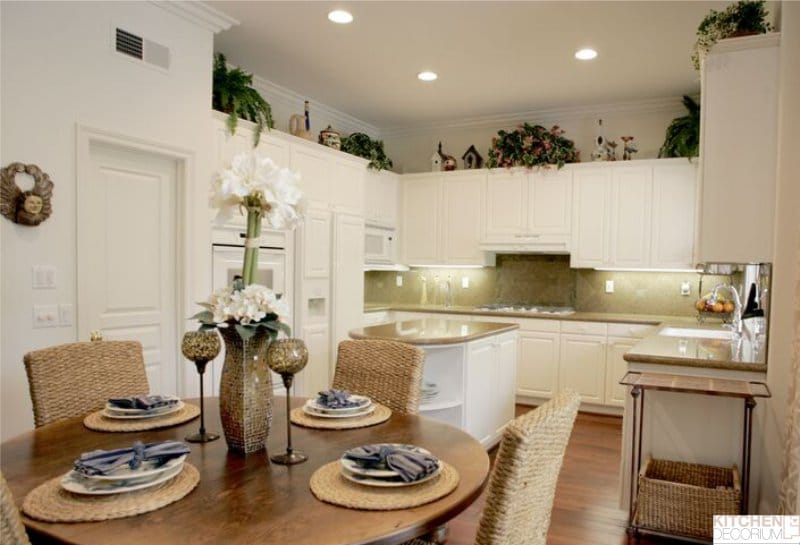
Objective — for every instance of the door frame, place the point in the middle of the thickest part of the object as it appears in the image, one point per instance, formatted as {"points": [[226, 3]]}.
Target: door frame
{"points": [[184, 209]]}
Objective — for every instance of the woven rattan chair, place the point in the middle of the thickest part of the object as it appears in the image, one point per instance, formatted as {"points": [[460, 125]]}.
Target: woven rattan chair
{"points": [[73, 379], [523, 482], [389, 372], [12, 531]]}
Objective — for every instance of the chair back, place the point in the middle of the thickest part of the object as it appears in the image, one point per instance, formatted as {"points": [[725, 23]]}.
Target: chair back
{"points": [[12, 531], [73, 379], [523, 482], [388, 372]]}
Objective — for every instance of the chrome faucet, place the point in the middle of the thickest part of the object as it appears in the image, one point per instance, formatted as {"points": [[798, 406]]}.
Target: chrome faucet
{"points": [[736, 326], [448, 292]]}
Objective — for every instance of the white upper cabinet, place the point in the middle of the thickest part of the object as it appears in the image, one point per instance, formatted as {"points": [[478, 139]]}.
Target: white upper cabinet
{"points": [[637, 214], [528, 209], [348, 175], [330, 179], [381, 190], [314, 169], [738, 147], [442, 215]]}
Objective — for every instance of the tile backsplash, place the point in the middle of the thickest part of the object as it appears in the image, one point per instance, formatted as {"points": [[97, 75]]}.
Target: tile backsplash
{"points": [[543, 280]]}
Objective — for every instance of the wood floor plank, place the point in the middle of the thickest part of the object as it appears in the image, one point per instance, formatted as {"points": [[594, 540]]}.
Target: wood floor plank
{"points": [[585, 511]]}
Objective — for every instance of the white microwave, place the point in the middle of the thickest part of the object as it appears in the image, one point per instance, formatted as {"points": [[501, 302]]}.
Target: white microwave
{"points": [[379, 245]]}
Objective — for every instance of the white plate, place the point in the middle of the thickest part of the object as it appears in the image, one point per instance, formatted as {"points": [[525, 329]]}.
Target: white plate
{"points": [[382, 483], [353, 466], [122, 410], [147, 414], [147, 469], [363, 403], [77, 483], [309, 410]]}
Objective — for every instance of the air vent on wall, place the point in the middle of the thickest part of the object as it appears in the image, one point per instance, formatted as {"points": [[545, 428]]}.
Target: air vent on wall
{"points": [[137, 47]]}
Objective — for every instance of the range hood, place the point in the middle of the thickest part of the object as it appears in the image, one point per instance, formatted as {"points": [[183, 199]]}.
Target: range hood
{"points": [[529, 244], [385, 267]]}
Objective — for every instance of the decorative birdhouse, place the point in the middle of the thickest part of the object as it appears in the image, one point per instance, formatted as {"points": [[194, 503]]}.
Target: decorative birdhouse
{"points": [[437, 159], [472, 159]]}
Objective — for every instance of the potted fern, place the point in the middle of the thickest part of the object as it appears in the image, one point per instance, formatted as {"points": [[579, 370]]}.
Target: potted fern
{"points": [[740, 19], [683, 134], [361, 145], [234, 95]]}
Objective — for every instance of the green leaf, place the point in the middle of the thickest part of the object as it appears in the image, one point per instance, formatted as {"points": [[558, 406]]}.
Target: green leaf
{"points": [[207, 327], [205, 317], [245, 332]]}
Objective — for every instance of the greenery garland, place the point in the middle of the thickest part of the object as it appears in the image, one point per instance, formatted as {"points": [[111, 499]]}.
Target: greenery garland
{"points": [[361, 145], [530, 146], [233, 94]]}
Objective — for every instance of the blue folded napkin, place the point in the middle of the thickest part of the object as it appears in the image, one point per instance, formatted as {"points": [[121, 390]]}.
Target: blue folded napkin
{"points": [[337, 399], [409, 464], [143, 402], [103, 462]]}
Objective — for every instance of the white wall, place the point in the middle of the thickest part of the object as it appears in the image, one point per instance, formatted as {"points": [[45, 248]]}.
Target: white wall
{"points": [[772, 413], [647, 121], [59, 71]]}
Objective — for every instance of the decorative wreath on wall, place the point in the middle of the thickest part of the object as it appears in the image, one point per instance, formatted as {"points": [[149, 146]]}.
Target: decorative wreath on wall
{"points": [[30, 207]]}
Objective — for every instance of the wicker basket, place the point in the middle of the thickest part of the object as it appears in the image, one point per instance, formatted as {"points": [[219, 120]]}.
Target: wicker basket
{"points": [[680, 498]]}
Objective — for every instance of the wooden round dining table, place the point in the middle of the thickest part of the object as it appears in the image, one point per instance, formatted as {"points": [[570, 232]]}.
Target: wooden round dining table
{"points": [[247, 500]]}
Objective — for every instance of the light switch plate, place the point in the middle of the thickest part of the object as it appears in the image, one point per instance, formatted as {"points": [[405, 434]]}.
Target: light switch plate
{"points": [[686, 288], [45, 316], [43, 277], [65, 315], [609, 286], [465, 282]]}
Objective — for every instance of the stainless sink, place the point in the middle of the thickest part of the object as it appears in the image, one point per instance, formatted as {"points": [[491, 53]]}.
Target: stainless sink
{"points": [[695, 333]]}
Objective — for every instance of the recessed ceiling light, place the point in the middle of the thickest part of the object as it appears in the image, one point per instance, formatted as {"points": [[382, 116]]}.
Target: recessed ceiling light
{"points": [[585, 54], [340, 16], [427, 76]]}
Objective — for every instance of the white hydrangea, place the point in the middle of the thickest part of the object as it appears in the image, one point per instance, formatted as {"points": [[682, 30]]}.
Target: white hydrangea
{"points": [[258, 178], [249, 305]]}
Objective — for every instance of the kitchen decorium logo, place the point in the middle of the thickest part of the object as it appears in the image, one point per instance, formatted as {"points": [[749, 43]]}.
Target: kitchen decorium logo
{"points": [[756, 530]]}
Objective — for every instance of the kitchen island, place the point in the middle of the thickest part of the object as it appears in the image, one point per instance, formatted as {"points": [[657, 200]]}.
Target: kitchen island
{"points": [[470, 370]]}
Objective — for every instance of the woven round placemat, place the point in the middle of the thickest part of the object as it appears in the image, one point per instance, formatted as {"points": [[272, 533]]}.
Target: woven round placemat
{"points": [[51, 503], [379, 415], [328, 485], [97, 422]]}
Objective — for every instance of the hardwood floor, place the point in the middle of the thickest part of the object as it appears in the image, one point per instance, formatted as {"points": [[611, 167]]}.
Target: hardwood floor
{"points": [[586, 505]]}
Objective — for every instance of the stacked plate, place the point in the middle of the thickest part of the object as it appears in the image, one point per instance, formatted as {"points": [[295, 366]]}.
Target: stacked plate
{"points": [[122, 479], [363, 406], [384, 477], [429, 392], [112, 411]]}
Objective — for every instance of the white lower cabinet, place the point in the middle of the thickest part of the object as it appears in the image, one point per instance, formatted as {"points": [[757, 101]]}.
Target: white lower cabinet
{"points": [[583, 366], [537, 367], [616, 368]]}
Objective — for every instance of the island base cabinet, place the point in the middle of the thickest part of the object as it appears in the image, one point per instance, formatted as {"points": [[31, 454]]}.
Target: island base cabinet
{"points": [[583, 366], [616, 368]]}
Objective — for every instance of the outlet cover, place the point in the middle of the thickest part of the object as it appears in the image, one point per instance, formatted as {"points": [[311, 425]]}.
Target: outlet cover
{"points": [[65, 315], [609, 286], [45, 316], [465, 282], [686, 288], [398, 280]]}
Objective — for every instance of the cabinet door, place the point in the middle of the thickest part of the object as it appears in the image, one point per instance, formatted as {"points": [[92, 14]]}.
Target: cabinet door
{"points": [[274, 148], [505, 357], [506, 197], [630, 215], [537, 365], [380, 198], [421, 220], [590, 217], [462, 213], [583, 365], [316, 246], [314, 168], [674, 215], [616, 367], [347, 298], [347, 185], [550, 201], [480, 392], [316, 376]]}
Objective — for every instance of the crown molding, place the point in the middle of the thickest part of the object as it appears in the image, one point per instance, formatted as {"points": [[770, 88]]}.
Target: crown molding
{"points": [[756, 41], [198, 13], [554, 115], [294, 101]]}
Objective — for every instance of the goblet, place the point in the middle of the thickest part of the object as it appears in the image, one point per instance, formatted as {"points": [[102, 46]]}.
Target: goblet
{"points": [[288, 357], [201, 347]]}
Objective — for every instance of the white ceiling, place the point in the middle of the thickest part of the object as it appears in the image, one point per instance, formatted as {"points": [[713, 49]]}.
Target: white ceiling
{"points": [[492, 57]]}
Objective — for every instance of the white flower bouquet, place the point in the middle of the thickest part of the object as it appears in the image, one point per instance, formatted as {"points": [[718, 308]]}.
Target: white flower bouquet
{"points": [[247, 310]]}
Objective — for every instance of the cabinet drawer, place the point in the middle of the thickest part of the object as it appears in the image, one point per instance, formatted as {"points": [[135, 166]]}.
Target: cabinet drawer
{"points": [[588, 328], [535, 324], [630, 330]]}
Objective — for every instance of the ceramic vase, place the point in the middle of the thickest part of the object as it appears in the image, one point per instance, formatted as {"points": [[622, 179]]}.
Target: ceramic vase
{"points": [[245, 391]]}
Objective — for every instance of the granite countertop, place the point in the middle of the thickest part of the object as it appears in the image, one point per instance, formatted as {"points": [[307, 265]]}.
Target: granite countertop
{"points": [[741, 355], [432, 331], [608, 317]]}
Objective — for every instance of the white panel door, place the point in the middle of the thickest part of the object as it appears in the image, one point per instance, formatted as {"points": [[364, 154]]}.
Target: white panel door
{"points": [[631, 207], [506, 194], [537, 367], [462, 213], [348, 277], [674, 216], [347, 189], [550, 201], [591, 200], [316, 248], [127, 266], [421, 220], [481, 390], [583, 366], [505, 351], [616, 367]]}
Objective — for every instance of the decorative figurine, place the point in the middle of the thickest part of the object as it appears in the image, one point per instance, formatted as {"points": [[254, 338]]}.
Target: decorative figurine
{"points": [[611, 146], [448, 161], [472, 159], [300, 125], [330, 138], [600, 152], [629, 148], [29, 207]]}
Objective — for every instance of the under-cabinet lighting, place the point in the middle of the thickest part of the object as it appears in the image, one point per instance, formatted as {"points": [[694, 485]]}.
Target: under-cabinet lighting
{"points": [[585, 54], [633, 269], [427, 76], [340, 16], [426, 266]]}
